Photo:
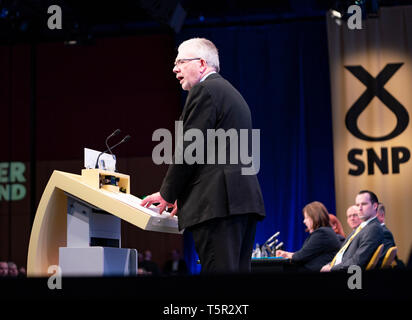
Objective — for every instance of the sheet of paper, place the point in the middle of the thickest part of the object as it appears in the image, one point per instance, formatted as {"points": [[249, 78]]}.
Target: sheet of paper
{"points": [[134, 202], [106, 160]]}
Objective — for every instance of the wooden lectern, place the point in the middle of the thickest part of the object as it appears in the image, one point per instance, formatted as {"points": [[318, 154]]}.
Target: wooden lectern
{"points": [[58, 226]]}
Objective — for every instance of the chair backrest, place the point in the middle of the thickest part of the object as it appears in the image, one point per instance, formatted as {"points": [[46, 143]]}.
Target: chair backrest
{"points": [[375, 257], [389, 257]]}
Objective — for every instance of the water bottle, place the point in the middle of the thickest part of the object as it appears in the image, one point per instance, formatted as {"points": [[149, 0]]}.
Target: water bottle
{"points": [[257, 251]]}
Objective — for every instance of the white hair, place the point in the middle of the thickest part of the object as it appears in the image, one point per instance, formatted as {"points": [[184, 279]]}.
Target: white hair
{"points": [[204, 49]]}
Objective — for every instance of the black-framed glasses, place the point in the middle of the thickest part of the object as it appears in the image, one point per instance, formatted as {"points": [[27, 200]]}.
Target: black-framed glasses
{"points": [[179, 62]]}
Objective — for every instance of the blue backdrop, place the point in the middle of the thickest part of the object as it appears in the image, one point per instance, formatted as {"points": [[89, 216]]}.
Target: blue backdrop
{"points": [[282, 71]]}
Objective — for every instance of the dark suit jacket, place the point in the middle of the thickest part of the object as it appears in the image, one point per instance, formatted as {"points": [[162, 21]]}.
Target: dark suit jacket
{"points": [[181, 268], [150, 266], [362, 247], [318, 249], [206, 191], [388, 242]]}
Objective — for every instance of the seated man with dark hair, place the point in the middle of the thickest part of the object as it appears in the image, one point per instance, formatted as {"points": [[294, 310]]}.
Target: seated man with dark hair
{"points": [[148, 266], [176, 265], [388, 239], [361, 244]]}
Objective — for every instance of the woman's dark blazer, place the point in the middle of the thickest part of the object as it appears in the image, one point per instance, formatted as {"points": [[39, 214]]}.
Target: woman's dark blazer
{"points": [[318, 249]]}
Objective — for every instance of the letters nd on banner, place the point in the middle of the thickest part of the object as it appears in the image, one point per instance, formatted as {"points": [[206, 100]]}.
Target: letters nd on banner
{"points": [[371, 86]]}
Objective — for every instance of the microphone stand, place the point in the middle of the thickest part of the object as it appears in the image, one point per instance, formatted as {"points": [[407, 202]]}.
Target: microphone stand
{"points": [[115, 133]]}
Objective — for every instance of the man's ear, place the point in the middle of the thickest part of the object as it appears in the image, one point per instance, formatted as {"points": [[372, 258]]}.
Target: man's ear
{"points": [[203, 65]]}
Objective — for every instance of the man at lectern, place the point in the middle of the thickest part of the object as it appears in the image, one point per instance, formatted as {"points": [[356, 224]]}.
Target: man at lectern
{"points": [[218, 201]]}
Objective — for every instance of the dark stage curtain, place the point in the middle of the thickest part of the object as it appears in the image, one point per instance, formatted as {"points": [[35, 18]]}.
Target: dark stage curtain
{"points": [[282, 72]]}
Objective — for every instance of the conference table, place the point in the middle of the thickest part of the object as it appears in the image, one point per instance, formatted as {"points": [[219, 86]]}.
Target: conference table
{"points": [[273, 264]]}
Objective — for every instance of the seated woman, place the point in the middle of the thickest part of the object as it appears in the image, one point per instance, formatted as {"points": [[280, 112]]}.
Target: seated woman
{"points": [[321, 245]]}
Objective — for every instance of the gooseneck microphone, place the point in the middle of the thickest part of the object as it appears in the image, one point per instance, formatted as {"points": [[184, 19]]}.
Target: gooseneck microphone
{"points": [[115, 133], [272, 237], [279, 246], [269, 245], [126, 138]]}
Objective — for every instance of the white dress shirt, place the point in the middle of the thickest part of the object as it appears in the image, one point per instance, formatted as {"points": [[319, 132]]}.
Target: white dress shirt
{"points": [[206, 75], [340, 253]]}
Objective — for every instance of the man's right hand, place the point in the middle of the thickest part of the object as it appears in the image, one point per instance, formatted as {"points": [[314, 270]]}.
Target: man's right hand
{"points": [[157, 198], [326, 268]]}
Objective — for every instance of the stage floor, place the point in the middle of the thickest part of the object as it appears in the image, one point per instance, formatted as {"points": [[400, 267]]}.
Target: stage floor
{"points": [[254, 289]]}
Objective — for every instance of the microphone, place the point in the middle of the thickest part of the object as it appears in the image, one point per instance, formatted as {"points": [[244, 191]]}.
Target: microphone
{"points": [[272, 237], [125, 139], [272, 250], [115, 133], [272, 243], [264, 252], [279, 246]]}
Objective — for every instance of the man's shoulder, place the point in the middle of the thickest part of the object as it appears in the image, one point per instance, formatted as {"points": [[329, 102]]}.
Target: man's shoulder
{"points": [[387, 234], [204, 85], [211, 86], [212, 76], [215, 80], [385, 229], [374, 223], [374, 229]]}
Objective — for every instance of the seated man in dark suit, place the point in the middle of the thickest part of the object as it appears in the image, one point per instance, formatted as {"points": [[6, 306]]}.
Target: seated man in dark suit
{"points": [[388, 240], [361, 244], [176, 265], [148, 265]]}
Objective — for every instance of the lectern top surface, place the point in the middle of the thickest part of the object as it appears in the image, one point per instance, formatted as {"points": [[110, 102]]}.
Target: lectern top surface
{"points": [[134, 202]]}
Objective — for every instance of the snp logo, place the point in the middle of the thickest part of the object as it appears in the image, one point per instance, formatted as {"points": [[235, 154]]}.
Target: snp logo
{"points": [[55, 20], [375, 88]]}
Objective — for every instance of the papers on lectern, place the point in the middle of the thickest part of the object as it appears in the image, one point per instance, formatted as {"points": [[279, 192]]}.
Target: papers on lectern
{"points": [[106, 160], [134, 202]]}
